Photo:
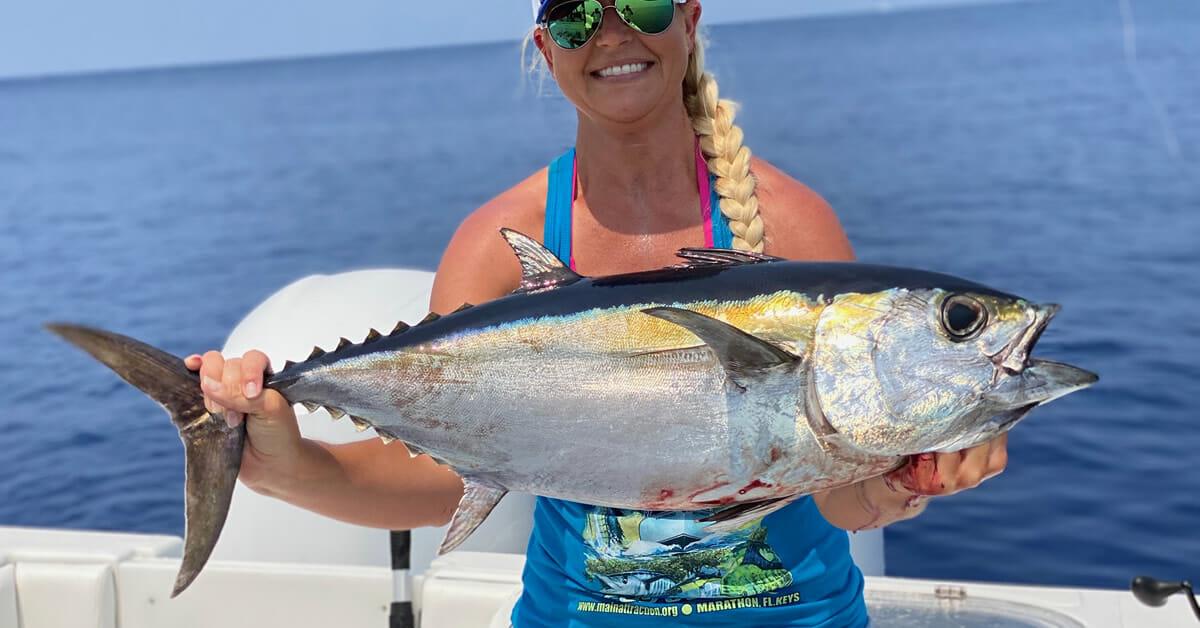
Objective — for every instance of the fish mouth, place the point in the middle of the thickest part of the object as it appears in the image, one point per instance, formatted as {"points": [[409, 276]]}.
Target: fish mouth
{"points": [[1009, 418], [1032, 382], [1056, 379], [1039, 382], [1014, 357]]}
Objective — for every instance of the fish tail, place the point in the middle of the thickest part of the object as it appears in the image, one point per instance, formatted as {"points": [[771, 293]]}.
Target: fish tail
{"points": [[212, 450]]}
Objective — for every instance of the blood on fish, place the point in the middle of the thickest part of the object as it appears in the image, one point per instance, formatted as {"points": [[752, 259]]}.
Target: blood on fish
{"points": [[753, 485], [702, 491], [920, 475]]}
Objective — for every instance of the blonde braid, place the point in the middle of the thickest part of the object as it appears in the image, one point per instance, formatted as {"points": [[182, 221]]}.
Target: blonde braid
{"points": [[728, 158]]}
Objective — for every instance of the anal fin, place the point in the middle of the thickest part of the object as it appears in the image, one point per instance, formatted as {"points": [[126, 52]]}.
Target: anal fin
{"points": [[478, 501], [730, 519]]}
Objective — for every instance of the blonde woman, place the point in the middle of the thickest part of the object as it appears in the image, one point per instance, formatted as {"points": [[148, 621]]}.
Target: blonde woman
{"points": [[658, 165]]}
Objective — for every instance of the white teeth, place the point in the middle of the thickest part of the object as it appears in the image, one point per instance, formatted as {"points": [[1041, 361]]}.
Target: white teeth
{"points": [[622, 70]]}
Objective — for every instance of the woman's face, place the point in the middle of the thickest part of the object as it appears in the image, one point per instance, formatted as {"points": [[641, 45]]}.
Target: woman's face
{"points": [[596, 77]]}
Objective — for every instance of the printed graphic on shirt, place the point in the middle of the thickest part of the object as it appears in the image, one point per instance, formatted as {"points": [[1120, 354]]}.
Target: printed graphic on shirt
{"points": [[663, 557]]}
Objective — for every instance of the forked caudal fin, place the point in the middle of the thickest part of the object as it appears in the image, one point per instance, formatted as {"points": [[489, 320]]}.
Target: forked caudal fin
{"points": [[212, 450]]}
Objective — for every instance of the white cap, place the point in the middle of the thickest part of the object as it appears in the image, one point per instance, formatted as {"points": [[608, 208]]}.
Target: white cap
{"points": [[536, 5]]}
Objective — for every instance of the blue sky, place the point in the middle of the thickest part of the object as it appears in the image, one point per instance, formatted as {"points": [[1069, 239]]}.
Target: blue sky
{"points": [[54, 36]]}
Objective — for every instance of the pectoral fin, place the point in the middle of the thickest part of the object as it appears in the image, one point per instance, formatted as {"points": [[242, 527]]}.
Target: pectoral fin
{"points": [[744, 356], [478, 501]]}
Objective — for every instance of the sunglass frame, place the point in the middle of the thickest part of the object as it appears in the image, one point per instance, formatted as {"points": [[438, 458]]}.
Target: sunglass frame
{"points": [[545, 23]]}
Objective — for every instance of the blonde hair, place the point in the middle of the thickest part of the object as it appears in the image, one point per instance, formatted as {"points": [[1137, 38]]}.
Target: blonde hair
{"points": [[721, 141], [728, 158]]}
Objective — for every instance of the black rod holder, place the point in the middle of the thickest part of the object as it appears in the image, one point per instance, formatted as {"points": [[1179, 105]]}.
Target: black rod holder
{"points": [[1152, 592]]}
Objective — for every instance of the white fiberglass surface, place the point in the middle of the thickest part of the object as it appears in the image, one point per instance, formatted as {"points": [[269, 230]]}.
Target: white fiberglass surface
{"points": [[913, 610]]}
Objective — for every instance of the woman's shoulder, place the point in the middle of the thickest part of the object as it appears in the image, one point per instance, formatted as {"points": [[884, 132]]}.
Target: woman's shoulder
{"points": [[800, 224], [478, 265], [521, 208]]}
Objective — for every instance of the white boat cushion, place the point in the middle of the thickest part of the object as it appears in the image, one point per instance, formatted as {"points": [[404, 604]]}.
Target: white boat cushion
{"points": [[8, 596], [66, 595], [319, 310]]}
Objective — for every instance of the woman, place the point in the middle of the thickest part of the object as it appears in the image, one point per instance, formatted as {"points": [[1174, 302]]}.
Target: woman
{"points": [[653, 139]]}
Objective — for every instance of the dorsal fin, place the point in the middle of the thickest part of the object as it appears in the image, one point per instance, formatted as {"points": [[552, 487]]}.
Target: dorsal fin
{"points": [[540, 269], [287, 364], [432, 316], [343, 343], [462, 308], [400, 328], [723, 257], [316, 353], [372, 336]]}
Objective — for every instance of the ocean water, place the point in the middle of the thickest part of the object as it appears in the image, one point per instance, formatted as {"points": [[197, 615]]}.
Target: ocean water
{"points": [[1045, 148]]}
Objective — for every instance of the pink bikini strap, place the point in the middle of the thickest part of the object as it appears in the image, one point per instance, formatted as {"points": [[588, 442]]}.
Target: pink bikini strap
{"points": [[704, 186]]}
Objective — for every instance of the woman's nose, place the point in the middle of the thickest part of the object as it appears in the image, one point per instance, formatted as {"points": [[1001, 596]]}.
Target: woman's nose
{"points": [[613, 30]]}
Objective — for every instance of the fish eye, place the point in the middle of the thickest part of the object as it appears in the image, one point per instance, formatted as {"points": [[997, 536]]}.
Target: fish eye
{"points": [[963, 317]]}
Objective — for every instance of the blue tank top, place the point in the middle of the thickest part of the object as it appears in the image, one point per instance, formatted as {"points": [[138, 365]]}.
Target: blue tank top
{"points": [[589, 566]]}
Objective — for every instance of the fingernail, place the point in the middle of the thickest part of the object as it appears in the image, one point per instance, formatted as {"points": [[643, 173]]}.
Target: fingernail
{"points": [[212, 385], [251, 390]]}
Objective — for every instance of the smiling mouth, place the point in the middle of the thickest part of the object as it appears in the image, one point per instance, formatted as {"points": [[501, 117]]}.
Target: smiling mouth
{"points": [[624, 70]]}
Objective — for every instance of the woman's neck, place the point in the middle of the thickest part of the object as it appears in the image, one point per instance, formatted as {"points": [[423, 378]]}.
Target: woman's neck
{"points": [[639, 178]]}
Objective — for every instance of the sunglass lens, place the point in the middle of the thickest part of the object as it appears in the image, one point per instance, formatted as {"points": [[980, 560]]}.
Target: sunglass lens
{"points": [[648, 16], [572, 24]]}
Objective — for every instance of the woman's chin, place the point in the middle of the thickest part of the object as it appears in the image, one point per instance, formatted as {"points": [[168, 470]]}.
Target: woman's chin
{"points": [[623, 111]]}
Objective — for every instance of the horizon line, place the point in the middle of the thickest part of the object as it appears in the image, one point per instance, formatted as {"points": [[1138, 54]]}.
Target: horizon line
{"points": [[881, 8]]}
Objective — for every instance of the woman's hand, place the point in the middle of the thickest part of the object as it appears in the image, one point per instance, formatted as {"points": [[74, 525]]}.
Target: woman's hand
{"points": [[365, 483], [234, 388], [936, 474]]}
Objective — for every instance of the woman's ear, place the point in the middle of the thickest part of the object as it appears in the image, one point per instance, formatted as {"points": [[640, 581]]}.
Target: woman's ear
{"points": [[692, 11], [539, 40]]}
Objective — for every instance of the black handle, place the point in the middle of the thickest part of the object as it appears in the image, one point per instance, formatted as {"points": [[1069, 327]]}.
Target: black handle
{"points": [[1152, 592]]}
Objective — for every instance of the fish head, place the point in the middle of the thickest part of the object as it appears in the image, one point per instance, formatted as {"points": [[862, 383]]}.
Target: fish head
{"points": [[902, 372]]}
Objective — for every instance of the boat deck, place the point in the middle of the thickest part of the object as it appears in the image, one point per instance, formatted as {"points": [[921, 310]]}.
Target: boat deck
{"points": [[68, 579]]}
